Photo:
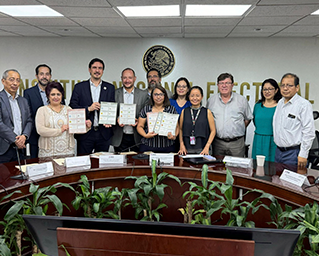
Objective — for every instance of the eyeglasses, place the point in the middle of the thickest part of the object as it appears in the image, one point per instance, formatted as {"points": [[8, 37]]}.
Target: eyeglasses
{"points": [[268, 89], [181, 86], [154, 76], [12, 79], [227, 83], [287, 85], [159, 94]]}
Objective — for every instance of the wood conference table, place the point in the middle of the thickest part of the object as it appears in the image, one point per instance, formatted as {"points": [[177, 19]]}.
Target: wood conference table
{"points": [[263, 178]]}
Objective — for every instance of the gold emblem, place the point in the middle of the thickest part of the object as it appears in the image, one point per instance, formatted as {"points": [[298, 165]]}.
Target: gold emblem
{"points": [[159, 57]]}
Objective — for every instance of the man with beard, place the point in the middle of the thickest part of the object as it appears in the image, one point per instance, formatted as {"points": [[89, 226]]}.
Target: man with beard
{"points": [[37, 98], [154, 77], [126, 137], [88, 95]]}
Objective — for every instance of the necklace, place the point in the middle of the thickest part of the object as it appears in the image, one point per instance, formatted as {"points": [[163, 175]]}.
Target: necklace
{"points": [[56, 110]]}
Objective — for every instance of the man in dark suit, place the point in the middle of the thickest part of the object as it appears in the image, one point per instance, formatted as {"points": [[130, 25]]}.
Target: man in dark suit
{"points": [[126, 136], [88, 95], [15, 118], [37, 98]]}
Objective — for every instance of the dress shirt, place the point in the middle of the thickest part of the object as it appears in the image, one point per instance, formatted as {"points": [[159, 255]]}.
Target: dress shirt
{"points": [[230, 117], [43, 96], [95, 93], [16, 113], [293, 124], [128, 99]]}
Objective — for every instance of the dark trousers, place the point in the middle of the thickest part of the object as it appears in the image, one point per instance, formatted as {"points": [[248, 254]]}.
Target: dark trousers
{"points": [[144, 148], [289, 157], [94, 141], [34, 150], [127, 144], [11, 155]]}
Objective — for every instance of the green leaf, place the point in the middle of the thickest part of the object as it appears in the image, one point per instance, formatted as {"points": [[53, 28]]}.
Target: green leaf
{"points": [[132, 195], [96, 207], [160, 190], [76, 202], [56, 202], [14, 210], [204, 175], [174, 178], [229, 177]]}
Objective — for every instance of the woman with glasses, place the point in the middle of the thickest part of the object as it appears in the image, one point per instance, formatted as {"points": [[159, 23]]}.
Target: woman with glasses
{"points": [[197, 126], [264, 110], [151, 141], [180, 98]]}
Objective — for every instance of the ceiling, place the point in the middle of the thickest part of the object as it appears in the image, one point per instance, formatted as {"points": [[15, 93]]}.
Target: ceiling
{"points": [[100, 18]]}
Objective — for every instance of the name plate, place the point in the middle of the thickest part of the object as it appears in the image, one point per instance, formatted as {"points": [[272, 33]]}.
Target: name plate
{"points": [[77, 161], [294, 178], [112, 159], [44, 169], [162, 159]]}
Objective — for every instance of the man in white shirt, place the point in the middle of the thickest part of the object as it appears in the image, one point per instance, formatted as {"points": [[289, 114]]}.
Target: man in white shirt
{"points": [[232, 115], [293, 124], [126, 138]]}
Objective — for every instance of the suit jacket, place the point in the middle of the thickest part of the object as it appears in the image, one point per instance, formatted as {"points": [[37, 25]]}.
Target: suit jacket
{"points": [[7, 136], [35, 101], [140, 99], [82, 98]]}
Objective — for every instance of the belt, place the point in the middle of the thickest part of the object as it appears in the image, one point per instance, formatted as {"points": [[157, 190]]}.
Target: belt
{"points": [[288, 148], [96, 128], [229, 139]]}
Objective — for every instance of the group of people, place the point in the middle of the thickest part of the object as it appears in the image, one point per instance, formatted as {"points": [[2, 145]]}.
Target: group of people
{"points": [[283, 120]]}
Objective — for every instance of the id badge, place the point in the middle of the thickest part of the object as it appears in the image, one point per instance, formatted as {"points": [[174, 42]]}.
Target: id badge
{"points": [[192, 140]]}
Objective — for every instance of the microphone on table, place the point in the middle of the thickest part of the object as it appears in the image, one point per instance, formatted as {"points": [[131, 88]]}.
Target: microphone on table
{"points": [[20, 176], [140, 156]]}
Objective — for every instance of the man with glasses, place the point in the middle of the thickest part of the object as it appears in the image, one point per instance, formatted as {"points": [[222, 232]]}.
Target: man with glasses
{"points": [[126, 138], [293, 124], [15, 118], [154, 77], [232, 115]]}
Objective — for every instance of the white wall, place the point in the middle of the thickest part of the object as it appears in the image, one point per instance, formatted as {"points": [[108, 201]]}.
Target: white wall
{"points": [[250, 60]]}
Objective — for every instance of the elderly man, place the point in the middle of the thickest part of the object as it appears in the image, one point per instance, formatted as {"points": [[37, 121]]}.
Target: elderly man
{"points": [[15, 118], [37, 98], [293, 124], [154, 77], [232, 115], [125, 136], [88, 95]]}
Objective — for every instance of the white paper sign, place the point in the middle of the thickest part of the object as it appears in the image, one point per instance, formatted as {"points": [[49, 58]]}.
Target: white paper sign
{"points": [[127, 113], [112, 159], [108, 113], [294, 178], [168, 124], [164, 159], [151, 121], [238, 161], [76, 120], [77, 161], [43, 170]]}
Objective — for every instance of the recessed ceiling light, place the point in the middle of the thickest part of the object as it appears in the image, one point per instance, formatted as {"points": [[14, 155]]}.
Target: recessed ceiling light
{"points": [[216, 10], [29, 11], [150, 11], [315, 13]]}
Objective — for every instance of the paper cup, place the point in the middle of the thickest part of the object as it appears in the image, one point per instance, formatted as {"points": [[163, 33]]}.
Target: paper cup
{"points": [[260, 160]]}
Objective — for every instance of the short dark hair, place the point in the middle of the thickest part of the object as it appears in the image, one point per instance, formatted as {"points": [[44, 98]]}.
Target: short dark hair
{"points": [[198, 88], [42, 66], [128, 69], [154, 69], [273, 82], [291, 75], [223, 76], [54, 85], [96, 60], [175, 96], [162, 89]]}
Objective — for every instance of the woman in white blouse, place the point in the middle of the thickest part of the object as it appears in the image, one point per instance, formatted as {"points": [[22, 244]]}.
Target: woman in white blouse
{"points": [[52, 126]]}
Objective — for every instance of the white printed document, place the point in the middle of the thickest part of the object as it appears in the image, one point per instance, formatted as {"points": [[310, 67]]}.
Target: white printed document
{"points": [[127, 114], [76, 120], [108, 112]]}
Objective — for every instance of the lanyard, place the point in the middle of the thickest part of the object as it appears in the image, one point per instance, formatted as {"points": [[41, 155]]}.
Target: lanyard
{"points": [[194, 119]]}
